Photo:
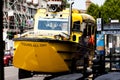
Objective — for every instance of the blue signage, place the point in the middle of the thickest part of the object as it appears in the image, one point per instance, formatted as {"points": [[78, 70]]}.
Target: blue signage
{"points": [[100, 40]]}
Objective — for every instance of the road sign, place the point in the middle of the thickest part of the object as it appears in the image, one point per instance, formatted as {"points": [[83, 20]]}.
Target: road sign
{"points": [[110, 32], [100, 40], [99, 24], [111, 26]]}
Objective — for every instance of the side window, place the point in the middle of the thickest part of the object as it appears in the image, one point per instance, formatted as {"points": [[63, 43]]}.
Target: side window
{"points": [[87, 31], [76, 26]]}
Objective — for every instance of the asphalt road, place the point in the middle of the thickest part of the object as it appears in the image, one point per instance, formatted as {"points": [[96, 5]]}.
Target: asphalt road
{"points": [[11, 73]]}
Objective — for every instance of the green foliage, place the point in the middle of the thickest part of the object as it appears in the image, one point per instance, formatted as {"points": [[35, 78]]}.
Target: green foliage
{"points": [[67, 5], [93, 10], [109, 10]]}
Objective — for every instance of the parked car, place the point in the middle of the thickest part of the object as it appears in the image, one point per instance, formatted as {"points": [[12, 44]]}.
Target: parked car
{"points": [[8, 58]]}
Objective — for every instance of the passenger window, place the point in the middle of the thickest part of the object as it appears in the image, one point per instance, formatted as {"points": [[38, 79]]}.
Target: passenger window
{"points": [[76, 26]]}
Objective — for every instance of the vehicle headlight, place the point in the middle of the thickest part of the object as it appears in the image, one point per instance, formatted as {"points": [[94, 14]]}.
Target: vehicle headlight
{"points": [[57, 37]]}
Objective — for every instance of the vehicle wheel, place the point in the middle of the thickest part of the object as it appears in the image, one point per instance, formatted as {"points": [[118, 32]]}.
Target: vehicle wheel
{"points": [[24, 74]]}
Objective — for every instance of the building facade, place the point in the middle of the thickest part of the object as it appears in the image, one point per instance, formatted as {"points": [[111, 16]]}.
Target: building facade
{"points": [[19, 13]]}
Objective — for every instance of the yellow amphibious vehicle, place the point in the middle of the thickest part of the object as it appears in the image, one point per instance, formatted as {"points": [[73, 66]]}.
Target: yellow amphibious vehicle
{"points": [[54, 42]]}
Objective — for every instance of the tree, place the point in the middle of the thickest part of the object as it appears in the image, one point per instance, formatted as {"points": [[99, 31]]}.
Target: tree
{"points": [[110, 9], [93, 10]]}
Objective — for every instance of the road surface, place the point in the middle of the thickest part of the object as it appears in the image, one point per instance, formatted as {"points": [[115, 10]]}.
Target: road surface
{"points": [[11, 73]]}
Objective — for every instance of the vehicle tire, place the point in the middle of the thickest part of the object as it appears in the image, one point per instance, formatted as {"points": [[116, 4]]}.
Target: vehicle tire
{"points": [[73, 65], [24, 74]]}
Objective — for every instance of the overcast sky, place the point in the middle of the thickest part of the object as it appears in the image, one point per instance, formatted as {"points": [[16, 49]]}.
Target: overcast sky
{"points": [[80, 4]]}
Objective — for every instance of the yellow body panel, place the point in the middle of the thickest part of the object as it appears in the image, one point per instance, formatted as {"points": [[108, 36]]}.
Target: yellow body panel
{"points": [[40, 56], [44, 56]]}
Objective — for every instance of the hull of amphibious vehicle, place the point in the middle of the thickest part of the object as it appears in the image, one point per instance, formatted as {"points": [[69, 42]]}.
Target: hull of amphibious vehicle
{"points": [[43, 55]]}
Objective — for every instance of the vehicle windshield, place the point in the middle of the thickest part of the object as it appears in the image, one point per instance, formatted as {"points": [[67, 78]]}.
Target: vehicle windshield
{"points": [[53, 24]]}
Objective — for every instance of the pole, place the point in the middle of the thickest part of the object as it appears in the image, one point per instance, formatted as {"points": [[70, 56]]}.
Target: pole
{"points": [[1, 44], [70, 17]]}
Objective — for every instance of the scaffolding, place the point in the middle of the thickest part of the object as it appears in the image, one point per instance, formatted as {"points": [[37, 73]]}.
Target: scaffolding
{"points": [[17, 13]]}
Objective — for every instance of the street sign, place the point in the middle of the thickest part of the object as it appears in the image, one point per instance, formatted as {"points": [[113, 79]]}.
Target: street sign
{"points": [[114, 21], [111, 27], [99, 24], [100, 43], [110, 32], [100, 40]]}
